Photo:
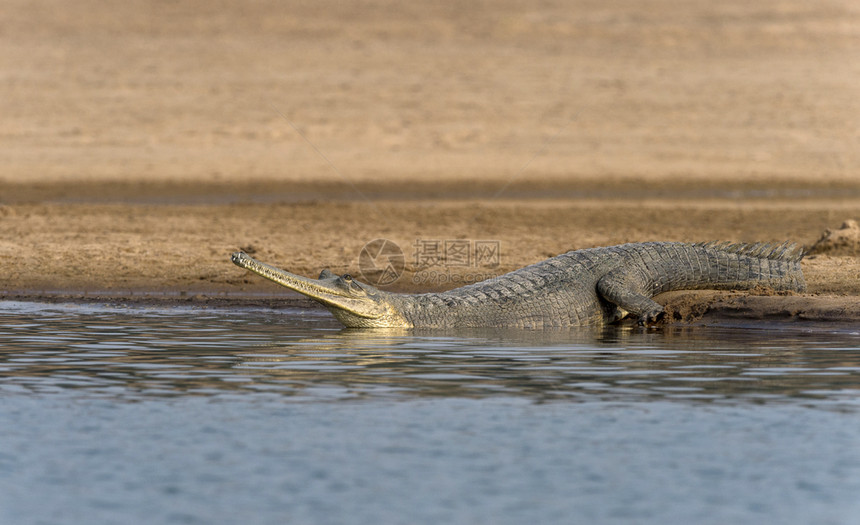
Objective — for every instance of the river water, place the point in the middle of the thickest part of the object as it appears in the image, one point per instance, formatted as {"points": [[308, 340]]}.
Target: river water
{"points": [[132, 414]]}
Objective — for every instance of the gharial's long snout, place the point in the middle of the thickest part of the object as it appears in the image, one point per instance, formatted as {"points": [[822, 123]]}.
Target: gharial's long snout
{"points": [[323, 290], [292, 281], [343, 296]]}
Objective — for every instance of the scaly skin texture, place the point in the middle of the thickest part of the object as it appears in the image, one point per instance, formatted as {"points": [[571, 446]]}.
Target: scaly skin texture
{"points": [[579, 288]]}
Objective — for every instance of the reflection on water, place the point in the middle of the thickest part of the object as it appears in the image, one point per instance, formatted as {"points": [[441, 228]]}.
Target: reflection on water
{"points": [[130, 353], [183, 415]]}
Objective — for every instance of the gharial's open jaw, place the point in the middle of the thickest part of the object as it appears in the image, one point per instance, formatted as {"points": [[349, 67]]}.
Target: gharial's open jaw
{"points": [[322, 290]]}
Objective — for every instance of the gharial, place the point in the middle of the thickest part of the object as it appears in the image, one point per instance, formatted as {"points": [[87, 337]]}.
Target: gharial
{"points": [[583, 287]]}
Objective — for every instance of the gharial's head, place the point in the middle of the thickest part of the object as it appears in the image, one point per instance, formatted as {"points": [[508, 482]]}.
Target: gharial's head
{"points": [[355, 304]]}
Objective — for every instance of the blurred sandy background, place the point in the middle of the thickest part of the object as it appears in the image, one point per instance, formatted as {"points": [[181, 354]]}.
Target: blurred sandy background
{"points": [[142, 141]]}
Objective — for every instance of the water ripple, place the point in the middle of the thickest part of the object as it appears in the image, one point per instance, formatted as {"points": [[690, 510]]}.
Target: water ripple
{"points": [[134, 352]]}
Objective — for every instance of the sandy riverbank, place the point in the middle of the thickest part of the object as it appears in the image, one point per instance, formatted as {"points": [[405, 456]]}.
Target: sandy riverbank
{"points": [[149, 252]]}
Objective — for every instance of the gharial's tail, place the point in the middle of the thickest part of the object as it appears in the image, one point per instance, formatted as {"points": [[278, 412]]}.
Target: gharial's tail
{"points": [[668, 266], [745, 266], [786, 251]]}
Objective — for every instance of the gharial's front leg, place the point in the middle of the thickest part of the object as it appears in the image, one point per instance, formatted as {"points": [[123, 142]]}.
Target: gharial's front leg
{"points": [[620, 289]]}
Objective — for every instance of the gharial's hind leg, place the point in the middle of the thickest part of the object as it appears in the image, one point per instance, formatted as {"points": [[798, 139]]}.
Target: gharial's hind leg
{"points": [[616, 288]]}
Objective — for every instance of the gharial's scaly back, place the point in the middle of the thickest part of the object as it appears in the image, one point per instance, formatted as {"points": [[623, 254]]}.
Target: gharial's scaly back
{"points": [[599, 285]]}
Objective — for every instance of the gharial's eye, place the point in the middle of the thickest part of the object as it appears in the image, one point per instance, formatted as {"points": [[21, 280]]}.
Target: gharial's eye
{"points": [[347, 277]]}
